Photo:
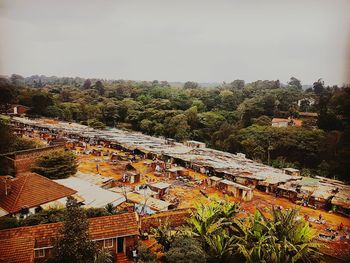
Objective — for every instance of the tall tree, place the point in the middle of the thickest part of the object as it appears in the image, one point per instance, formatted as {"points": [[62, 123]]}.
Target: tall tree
{"points": [[74, 245], [40, 102], [87, 84], [100, 88], [7, 92], [295, 82], [191, 85], [56, 165]]}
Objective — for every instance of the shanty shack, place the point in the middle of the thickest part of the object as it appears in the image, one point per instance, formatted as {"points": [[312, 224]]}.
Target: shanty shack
{"points": [[160, 187], [131, 175], [170, 141], [273, 179], [247, 179], [321, 197], [306, 187], [147, 205], [213, 181], [288, 190], [177, 171], [195, 144], [237, 190], [341, 201], [97, 152], [291, 171], [145, 191]]}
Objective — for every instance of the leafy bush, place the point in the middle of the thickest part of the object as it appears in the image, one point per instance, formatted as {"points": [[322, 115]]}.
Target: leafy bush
{"points": [[145, 255], [96, 212], [56, 165], [8, 222], [185, 249], [44, 217], [96, 124]]}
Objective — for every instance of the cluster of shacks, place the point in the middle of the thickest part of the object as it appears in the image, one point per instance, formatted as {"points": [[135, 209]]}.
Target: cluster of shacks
{"points": [[237, 174]]}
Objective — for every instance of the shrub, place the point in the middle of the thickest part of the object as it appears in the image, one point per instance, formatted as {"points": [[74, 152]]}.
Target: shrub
{"points": [[56, 165], [185, 249]]}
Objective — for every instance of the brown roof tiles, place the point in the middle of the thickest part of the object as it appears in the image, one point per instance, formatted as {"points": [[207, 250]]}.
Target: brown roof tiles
{"points": [[17, 250], [125, 224], [30, 190]]}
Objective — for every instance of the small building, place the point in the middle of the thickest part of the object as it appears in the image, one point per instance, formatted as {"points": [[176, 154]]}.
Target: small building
{"points": [[240, 155], [237, 190], [195, 144], [176, 171], [169, 141], [313, 115], [17, 110], [213, 181], [341, 201], [117, 233], [97, 152], [288, 190], [90, 194], [278, 122], [321, 197], [306, 187], [30, 193], [291, 171], [146, 205], [131, 177], [160, 187], [145, 191]]}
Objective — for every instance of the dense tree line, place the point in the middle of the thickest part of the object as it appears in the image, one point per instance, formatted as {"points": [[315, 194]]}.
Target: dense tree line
{"points": [[234, 117]]}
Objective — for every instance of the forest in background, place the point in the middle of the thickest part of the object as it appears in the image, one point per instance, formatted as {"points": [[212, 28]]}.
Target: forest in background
{"points": [[233, 117]]}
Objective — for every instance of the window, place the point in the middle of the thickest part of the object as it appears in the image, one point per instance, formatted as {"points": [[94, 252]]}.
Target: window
{"points": [[108, 243], [40, 253]]}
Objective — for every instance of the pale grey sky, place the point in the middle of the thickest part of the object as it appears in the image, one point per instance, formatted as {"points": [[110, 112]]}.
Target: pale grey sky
{"points": [[177, 40]]}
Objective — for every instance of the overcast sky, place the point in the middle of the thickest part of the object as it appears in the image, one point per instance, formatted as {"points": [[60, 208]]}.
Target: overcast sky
{"points": [[175, 40]]}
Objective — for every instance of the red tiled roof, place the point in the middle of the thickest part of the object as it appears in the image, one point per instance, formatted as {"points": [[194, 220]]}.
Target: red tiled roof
{"points": [[125, 224], [30, 190], [308, 114], [275, 120], [17, 250], [110, 226], [297, 122]]}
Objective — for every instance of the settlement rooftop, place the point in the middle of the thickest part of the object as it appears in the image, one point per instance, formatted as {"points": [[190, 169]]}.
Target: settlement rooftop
{"points": [[230, 164]]}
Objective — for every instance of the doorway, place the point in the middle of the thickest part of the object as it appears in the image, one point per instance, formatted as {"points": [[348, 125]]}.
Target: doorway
{"points": [[120, 244]]}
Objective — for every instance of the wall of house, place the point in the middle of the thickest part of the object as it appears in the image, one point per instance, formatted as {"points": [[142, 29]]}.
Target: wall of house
{"points": [[129, 242], [280, 124], [232, 190], [21, 110], [174, 217], [247, 195], [23, 161]]}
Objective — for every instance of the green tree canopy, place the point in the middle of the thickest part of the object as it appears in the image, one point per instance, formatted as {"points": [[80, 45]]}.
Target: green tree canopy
{"points": [[185, 249], [56, 165], [75, 244]]}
